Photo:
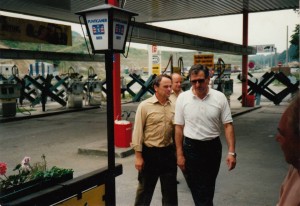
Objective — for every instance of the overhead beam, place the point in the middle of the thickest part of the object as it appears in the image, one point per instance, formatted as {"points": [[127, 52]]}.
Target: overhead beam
{"points": [[148, 34], [43, 55]]}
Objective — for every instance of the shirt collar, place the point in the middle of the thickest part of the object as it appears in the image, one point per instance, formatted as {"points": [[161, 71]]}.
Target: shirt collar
{"points": [[172, 92], [208, 93], [154, 100]]}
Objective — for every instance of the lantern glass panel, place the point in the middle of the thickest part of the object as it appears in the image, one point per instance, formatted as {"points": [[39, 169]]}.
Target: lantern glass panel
{"points": [[98, 28]]}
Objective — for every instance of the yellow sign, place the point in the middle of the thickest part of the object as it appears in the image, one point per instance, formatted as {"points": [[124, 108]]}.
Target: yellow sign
{"points": [[91, 197], [156, 69], [204, 59], [25, 30]]}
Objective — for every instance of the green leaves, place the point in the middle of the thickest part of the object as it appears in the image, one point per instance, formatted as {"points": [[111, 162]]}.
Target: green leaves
{"points": [[54, 172], [17, 167]]}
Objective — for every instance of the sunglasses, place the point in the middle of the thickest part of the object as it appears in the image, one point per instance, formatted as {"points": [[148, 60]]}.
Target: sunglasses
{"points": [[198, 80]]}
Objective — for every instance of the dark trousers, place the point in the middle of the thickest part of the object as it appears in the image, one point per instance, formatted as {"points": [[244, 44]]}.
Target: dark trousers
{"points": [[202, 164], [160, 163]]}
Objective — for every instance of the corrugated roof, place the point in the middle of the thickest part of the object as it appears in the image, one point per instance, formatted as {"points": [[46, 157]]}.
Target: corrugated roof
{"points": [[148, 10]]}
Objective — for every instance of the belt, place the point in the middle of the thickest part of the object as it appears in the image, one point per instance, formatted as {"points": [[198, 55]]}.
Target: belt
{"points": [[167, 148], [195, 141]]}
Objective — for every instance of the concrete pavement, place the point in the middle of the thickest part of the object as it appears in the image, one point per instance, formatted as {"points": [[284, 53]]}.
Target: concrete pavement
{"points": [[99, 147]]}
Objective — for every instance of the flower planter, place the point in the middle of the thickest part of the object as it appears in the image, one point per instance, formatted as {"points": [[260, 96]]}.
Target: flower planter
{"points": [[30, 187]]}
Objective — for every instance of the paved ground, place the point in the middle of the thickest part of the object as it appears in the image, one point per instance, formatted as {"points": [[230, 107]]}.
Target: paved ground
{"points": [[255, 181]]}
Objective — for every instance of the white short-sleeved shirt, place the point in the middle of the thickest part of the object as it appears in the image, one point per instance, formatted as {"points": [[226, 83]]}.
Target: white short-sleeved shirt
{"points": [[202, 118]]}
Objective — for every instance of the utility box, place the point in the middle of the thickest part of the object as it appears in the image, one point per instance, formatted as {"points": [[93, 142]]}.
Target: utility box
{"points": [[123, 133], [8, 108], [9, 92]]}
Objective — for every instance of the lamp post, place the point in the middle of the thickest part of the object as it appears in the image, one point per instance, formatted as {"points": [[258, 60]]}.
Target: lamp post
{"points": [[107, 28]]}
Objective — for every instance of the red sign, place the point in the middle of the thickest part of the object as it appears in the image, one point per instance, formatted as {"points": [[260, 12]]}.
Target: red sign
{"points": [[251, 65]]}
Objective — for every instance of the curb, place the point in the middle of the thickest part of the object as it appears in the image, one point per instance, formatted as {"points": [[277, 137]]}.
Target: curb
{"points": [[246, 111], [12, 119]]}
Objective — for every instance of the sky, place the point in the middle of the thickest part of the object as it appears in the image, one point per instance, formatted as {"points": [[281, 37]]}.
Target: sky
{"points": [[264, 28]]}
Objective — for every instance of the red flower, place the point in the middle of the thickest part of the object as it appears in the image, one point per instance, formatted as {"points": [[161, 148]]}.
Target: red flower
{"points": [[3, 168]]}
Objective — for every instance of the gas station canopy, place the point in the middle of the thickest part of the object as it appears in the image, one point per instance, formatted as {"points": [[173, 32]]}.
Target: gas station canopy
{"points": [[148, 10], [152, 11]]}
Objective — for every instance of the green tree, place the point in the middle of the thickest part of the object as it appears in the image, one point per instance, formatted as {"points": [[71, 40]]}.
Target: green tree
{"points": [[295, 41]]}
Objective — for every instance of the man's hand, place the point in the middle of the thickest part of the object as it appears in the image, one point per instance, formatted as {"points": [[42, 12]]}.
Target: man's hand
{"points": [[139, 162], [231, 162], [181, 162]]}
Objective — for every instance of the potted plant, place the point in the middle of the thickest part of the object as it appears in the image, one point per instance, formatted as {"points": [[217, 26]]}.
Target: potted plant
{"points": [[30, 178]]}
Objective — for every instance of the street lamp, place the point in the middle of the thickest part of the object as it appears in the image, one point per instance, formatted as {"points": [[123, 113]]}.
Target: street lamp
{"points": [[107, 28]]}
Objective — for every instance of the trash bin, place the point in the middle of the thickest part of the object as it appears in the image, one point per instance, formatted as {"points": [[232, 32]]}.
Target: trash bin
{"points": [[250, 99], [123, 133]]}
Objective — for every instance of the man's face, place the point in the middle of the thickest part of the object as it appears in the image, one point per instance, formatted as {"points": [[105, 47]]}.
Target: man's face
{"points": [[164, 88], [199, 83], [290, 145], [176, 82]]}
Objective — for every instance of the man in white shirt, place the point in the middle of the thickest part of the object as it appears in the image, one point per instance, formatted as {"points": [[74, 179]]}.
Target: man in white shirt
{"points": [[199, 114]]}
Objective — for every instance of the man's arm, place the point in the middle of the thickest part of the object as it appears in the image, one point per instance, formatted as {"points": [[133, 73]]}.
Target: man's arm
{"points": [[179, 146], [139, 161], [138, 137], [230, 138]]}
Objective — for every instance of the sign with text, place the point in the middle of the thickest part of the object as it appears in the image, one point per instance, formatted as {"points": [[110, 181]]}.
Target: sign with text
{"points": [[267, 48], [156, 64], [204, 59], [156, 69], [25, 30], [93, 196], [156, 59], [98, 28]]}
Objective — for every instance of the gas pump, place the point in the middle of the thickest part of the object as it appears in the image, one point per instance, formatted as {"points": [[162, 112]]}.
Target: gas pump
{"points": [[9, 92], [94, 88], [221, 78], [75, 90]]}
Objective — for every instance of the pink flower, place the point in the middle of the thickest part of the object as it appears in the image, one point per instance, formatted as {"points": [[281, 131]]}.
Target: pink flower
{"points": [[25, 161], [25, 165], [3, 168]]}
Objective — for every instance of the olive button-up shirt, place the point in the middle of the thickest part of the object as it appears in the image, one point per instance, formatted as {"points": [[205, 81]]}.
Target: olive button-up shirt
{"points": [[153, 124]]}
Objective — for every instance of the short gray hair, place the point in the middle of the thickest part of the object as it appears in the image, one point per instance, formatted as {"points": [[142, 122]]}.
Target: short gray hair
{"points": [[196, 68]]}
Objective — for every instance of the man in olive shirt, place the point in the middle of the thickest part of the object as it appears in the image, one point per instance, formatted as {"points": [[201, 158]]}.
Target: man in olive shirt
{"points": [[152, 142]]}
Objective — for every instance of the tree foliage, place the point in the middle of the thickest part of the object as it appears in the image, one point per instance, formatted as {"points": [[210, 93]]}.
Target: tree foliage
{"points": [[295, 41]]}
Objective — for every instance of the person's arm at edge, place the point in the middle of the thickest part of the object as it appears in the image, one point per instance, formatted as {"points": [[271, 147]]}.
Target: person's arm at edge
{"points": [[179, 146], [230, 139]]}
